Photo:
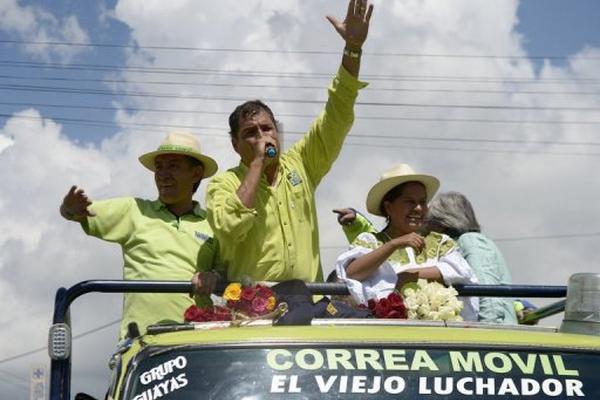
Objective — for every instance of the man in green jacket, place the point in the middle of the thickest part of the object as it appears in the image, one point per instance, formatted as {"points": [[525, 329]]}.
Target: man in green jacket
{"points": [[164, 239], [263, 211]]}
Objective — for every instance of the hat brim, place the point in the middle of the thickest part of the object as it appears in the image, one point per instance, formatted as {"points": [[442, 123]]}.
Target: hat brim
{"points": [[210, 165], [379, 190]]}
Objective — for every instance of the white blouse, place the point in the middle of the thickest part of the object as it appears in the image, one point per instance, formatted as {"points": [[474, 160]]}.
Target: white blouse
{"points": [[453, 268]]}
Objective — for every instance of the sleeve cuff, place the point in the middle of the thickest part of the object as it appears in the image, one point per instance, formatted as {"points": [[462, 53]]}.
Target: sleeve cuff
{"points": [[85, 225], [236, 204], [344, 78], [454, 269]]}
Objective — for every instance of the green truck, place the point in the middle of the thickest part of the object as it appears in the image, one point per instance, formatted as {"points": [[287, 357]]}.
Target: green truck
{"points": [[351, 358]]}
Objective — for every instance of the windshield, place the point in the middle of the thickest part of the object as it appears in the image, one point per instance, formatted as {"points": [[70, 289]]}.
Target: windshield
{"points": [[355, 373]]}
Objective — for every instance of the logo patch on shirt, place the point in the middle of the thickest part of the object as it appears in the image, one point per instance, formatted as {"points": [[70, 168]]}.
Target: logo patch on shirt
{"points": [[294, 178], [331, 309], [203, 236]]}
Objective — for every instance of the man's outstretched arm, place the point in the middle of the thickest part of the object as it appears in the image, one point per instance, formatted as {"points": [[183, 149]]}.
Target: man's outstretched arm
{"points": [[75, 205]]}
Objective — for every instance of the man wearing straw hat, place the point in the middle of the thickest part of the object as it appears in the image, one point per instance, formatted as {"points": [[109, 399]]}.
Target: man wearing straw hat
{"points": [[164, 239], [264, 209]]}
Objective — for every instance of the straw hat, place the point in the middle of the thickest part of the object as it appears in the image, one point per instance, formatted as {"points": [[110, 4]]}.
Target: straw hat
{"points": [[393, 177], [180, 143]]}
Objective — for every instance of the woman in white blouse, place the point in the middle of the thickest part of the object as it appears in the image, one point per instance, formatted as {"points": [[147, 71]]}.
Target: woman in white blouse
{"points": [[378, 262]]}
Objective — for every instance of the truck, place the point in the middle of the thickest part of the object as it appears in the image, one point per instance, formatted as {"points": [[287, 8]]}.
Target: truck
{"points": [[350, 358]]}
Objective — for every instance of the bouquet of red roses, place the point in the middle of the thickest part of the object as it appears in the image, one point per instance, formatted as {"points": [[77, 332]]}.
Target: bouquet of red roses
{"points": [[251, 301], [204, 314], [239, 303], [389, 307]]}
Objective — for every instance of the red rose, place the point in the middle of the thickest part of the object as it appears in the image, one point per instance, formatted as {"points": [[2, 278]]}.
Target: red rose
{"points": [[397, 307], [389, 307], [259, 305], [191, 313], [221, 314], [382, 308], [397, 313], [244, 306], [395, 300], [263, 291], [248, 293], [232, 304], [371, 304], [206, 314], [197, 314]]}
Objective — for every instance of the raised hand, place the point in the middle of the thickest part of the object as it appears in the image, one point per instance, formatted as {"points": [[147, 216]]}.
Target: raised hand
{"points": [[355, 26], [346, 216], [204, 283], [75, 205], [405, 277]]}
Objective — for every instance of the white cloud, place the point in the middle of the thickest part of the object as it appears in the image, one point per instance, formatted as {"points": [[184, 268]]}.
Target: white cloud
{"points": [[517, 193], [5, 142], [514, 192], [33, 23], [40, 251]]}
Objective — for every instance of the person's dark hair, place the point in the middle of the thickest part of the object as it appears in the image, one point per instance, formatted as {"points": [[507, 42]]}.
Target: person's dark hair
{"points": [[246, 110], [393, 194], [453, 213], [194, 162]]}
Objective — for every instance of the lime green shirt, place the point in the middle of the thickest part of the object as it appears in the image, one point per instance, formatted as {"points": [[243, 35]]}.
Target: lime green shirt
{"points": [[359, 225], [278, 239], [156, 246]]}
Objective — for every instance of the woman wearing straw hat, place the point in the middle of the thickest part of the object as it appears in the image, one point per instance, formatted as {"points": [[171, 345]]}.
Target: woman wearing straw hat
{"points": [[376, 263]]}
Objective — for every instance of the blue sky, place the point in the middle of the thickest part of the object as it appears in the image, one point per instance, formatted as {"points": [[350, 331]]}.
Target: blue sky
{"points": [[101, 29], [518, 136], [558, 27], [549, 28]]}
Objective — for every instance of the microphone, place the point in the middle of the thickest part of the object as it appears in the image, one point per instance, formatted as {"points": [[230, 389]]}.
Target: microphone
{"points": [[271, 151]]}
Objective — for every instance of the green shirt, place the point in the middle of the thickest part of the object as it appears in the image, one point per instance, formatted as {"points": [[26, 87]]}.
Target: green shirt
{"points": [[359, 225], [156, 246], [278, 239]]}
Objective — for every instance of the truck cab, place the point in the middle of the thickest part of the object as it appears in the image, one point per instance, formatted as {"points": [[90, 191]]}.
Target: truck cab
{"points": [[344, 358]]}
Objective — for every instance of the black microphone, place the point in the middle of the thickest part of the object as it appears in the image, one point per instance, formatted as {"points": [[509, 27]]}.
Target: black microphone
{"points": [[270, 151]]}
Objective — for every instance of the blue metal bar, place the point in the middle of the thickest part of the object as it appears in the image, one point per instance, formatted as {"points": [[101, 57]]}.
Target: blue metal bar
{"points": [[116, 286], [464, 290], [60, 370], [516, 291]]}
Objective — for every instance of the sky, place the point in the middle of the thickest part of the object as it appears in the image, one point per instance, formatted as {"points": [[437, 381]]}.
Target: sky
{"points": [[499, 100]]}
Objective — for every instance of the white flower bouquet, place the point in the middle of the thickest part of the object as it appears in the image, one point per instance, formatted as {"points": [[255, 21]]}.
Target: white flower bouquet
{"points": [[431, 301]]}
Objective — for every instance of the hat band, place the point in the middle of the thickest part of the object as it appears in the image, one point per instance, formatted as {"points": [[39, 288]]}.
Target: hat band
{"points": [[176, 147]]}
